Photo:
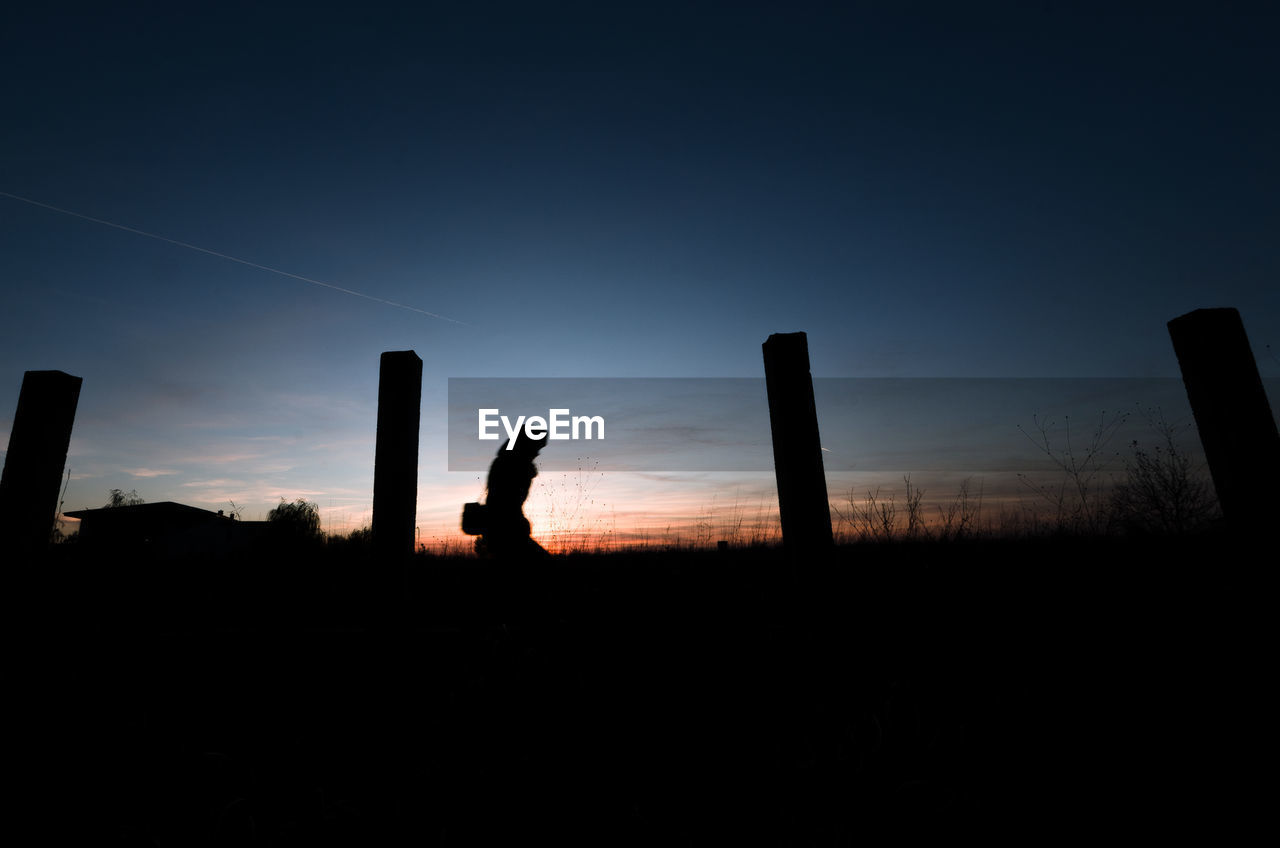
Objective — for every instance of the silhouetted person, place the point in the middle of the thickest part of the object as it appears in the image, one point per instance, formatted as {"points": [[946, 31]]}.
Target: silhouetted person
{"points": [[506, 535]]}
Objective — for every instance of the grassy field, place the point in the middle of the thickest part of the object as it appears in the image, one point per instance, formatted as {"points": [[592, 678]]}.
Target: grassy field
{"points": [[1015, 688]]}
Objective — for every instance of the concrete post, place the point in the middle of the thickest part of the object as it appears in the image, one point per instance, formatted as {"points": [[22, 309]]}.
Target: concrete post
{"points": [[395, 470], [1236, 427], [797, 449], [37, 455]]}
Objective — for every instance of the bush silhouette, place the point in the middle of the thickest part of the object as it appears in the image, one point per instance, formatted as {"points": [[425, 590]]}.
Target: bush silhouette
{"points": [[1162, 492]]}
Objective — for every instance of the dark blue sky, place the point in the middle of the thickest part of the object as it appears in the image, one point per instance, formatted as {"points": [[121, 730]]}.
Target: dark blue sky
{"points": [[606, 190]]}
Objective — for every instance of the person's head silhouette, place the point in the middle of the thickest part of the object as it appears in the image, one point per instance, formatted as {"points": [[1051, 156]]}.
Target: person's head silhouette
{"points": [[526, 446]]}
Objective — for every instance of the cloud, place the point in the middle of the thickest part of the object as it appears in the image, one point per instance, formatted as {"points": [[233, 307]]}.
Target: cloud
{"points": [[149, 472]]}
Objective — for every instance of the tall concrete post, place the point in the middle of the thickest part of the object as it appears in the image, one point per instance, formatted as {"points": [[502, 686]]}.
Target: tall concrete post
{"points": [[797, 449], [395, 465], [37, 455], [1230, 405]]}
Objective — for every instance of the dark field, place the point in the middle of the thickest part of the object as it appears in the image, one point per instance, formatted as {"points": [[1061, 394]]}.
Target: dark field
{"points": [[1012, 689]]}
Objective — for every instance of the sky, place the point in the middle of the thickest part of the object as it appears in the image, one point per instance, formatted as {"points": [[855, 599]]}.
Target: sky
{"points": [[602, 190]]}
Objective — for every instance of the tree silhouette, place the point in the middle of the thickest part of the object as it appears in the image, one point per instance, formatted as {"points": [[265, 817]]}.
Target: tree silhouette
{"points": [[121, 498], [298, 521]]}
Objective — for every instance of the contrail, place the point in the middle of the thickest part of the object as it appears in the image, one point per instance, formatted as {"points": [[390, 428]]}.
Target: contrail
{"points": [[234, 259]]}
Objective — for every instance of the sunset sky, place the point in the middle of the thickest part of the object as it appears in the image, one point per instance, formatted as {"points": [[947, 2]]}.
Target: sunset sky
{"points": [[604, 190]]}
